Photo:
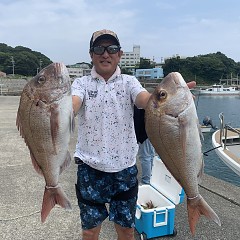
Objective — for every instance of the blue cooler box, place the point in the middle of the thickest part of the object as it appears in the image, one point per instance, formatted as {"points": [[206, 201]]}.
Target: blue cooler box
{"points": [[164, 192]]}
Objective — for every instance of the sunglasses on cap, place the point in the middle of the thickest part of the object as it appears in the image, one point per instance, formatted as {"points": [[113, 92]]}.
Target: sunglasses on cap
{"points": [[99, 50]]}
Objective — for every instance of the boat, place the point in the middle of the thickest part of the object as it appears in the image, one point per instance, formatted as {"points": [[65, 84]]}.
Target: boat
{"points": [[207, 129], [219, 90], [226, 142]]}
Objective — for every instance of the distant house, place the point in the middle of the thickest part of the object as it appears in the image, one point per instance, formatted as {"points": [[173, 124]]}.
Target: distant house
{"points": [[3, 74], [149, 74], [79, 69]]}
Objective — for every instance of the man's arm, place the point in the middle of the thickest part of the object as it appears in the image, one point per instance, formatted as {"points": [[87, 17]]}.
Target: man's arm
{"points": [[77, 103], [143, 97]]}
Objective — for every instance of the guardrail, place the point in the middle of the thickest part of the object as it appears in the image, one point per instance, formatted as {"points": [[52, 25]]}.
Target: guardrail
{"points": [[224, 129]]}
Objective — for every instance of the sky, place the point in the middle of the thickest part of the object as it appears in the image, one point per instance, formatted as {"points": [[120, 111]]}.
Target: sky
{"points": [[61, 29]]}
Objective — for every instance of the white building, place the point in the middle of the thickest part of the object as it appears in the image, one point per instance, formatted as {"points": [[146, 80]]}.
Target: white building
{"points": [[130, 59], [79, 70]]}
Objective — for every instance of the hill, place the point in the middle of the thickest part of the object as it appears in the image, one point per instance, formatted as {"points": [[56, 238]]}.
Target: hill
{"points": [[205, 69], [21, 60]]}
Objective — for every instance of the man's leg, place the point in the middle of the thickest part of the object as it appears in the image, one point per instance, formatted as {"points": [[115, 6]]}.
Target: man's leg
{"points": [[124, 232], [122, 208], [91, 234], [92, 211], [146, 154]]}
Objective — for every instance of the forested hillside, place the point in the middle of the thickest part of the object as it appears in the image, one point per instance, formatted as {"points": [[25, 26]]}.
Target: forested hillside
{"points": [[25, 61], [204, 69]]}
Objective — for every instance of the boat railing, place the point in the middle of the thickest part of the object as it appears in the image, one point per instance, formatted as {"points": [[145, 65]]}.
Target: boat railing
{"points": [[221, 117], [224, 129]]}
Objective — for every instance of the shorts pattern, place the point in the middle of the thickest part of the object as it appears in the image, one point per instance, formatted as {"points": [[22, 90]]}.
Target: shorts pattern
{"points": [[98, 188]]}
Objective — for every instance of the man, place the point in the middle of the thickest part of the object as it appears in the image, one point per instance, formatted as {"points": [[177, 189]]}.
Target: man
{"points": [[106, 148], [208, 121]]}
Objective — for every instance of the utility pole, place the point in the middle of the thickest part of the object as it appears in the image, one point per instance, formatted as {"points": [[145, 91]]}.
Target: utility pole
{"points": [[13, 64], [40, 64]]}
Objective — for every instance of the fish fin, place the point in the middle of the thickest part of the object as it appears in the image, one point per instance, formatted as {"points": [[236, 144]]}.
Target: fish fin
{"points": [[201, 172], [66, 162], [51, 197], [183, 134], [72, 123], [200, 132], [18, 122], [19, 125], [54, 122], [35, 164], [197, 207]]}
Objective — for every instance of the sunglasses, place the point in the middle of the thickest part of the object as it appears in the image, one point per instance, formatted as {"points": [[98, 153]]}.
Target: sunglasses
{"points": [[99, 50]]}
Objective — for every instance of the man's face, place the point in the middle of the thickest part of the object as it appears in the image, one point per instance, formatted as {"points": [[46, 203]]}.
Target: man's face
{"points": [[106, 63]]}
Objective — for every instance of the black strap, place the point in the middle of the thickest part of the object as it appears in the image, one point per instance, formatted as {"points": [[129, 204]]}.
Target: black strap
{"points": [[124, 196], [139, 124], [78, 160]]}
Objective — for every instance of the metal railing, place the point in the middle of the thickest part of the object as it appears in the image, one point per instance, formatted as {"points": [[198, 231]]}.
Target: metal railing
{"points": [[224, 129]]}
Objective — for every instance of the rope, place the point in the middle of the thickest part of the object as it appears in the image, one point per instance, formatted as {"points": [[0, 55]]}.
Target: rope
{"points": [[220, 195]]}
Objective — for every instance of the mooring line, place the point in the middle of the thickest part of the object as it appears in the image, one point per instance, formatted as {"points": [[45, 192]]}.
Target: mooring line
{"points": [[220, 195]]}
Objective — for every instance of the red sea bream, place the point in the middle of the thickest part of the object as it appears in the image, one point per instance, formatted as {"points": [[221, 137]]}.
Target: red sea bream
{"points": [[173, 128], [45, 121]]}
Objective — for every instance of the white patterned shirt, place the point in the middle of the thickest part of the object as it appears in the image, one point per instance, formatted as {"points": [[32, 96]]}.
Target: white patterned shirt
{"points": [[106, 136]]}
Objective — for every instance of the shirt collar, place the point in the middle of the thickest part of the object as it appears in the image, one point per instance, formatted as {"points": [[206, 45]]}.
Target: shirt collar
{"points": [[94, 74]]}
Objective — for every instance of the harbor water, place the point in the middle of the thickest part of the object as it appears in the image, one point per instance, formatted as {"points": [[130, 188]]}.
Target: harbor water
{"points": [[211, 106]]}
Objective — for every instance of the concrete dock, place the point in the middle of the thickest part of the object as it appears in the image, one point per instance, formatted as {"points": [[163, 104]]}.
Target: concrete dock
{"points": [[21, 192]]}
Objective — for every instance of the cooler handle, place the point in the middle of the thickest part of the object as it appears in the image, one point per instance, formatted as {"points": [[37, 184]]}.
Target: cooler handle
{"points": [[158, 224]]}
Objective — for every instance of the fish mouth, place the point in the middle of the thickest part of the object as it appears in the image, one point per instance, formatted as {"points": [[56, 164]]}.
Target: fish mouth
{"points": [[178, 80]]}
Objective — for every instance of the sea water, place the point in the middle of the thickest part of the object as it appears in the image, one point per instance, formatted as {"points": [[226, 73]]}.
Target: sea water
{"points": [[212, 106]]}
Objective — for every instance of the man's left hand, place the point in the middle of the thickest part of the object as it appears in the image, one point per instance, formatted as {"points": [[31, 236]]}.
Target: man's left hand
{"points": [[191, 84]]}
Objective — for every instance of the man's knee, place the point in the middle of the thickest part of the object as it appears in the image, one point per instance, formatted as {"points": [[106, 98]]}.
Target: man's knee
{"points": [[124, 232], [91, 234]]}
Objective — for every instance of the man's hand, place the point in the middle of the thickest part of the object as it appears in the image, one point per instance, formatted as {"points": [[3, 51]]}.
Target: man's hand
{"points": [[191, 84]]}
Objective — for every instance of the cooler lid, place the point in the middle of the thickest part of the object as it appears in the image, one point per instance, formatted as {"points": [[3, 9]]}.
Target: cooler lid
{"points": [[163, 181]]}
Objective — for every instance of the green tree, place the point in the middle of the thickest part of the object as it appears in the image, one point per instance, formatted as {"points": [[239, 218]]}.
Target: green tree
{"points": [[145, 63], [205, 69], [26, 61]]}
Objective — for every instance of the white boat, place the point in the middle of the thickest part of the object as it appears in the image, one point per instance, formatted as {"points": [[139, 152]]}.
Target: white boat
{"points": [[219, 89], [226, 142]]}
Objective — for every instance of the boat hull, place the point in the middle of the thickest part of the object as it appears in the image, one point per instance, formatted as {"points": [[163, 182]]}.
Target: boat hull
{"points": [[220, 90], [202, 92], [231, 155]]}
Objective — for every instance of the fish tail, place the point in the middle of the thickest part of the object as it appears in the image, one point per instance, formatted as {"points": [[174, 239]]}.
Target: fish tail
{"points": [[51, 197], [196, 207]]}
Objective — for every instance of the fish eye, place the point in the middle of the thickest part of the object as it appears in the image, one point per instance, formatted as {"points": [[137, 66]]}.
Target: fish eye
{"points": [[41, 79], [162, 95]]}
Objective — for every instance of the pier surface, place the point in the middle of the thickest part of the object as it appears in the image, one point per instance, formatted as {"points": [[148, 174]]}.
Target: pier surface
{"points": [[21, 192]]}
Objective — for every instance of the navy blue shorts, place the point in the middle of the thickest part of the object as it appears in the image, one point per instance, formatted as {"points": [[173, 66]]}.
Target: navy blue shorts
{"points": [[95, 188]]}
